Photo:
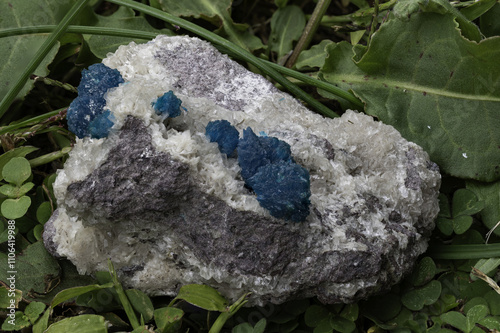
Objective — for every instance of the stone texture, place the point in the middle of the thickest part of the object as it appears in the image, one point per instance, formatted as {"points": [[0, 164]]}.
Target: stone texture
{"points": [[162, 201]]}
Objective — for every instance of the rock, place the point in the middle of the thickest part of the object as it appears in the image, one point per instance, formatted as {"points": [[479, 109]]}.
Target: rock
{"points": [[169, 208]]}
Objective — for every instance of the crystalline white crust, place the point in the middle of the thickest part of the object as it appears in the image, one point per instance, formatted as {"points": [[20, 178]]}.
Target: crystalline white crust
{"points": [[373, 194]]}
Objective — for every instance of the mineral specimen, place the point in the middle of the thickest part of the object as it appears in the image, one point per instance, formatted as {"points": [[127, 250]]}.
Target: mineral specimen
{"points": [[168, 105], [162, 201]]}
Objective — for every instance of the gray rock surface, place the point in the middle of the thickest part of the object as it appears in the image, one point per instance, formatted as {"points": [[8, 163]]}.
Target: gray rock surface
{"points": [[169, 209]]}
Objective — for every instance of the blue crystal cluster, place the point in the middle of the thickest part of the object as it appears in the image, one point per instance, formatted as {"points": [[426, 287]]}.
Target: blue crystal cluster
{"points": [[226, 136], [267, 167], [86, 115], [168, 105]]}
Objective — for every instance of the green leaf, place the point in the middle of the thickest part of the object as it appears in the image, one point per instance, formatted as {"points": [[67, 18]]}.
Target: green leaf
{"points": [[342, 325], [465, 202], [493, 299], [416, 299], [202, 296], [461, 224], [350, 312], [16, 152], [314, 57], [489, 22], [17, 170], [490, 194], [5, 297], [315, 314], [404, 8], [243, 328], [218, 13], [477, 8], [490, 323], [123, 18], [260, 327], [382, 308], [36, 269], [80, 324], [19, 322], [34, 310], [446, 104], [71, 293], [287, 25], [25, 188], [43, 212], [10, 191], [168, 319], [42, 323], [17, 51], [424, 272], [445, 225], [141, 303], [486, 266], [15, 208]]}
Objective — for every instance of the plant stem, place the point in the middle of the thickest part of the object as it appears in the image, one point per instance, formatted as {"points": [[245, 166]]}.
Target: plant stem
{"points": [[40, 54], [31, 121], [47, 158], [240, 52], [150, 35], [374, 20], [309, 31], [123, 297], [476, 251]]}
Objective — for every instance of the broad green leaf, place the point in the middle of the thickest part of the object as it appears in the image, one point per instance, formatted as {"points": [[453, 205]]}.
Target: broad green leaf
{"points": [[25, 188], [404, 8], [34, 310], [43, 212], [478, 8], [71, 293], [243, 328], [79, 324], [17, 170], [42, 323], [314, 57], [15, 208], [141, 303], [490, 323], [324, 326], [490, 194], [489, 22], [455, 319], [473, 302], [36, 269], [462, 223], [465, 202], [315, 314], [168, 319], [19, 322], [17, 51], [16, 152], [445, 225], [342, 325], [9, 190], [437, 88], [475, 314], [142, 329], [287, 25], [202, 296], [424, 272], [350, 312], [493, 299], [123, 18], [260, 327], [218, 13], [6, 295], [416, 299], [486, 266]]}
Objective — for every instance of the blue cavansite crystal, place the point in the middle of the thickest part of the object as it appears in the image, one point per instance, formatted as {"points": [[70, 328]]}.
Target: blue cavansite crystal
{"points": [[168, 105], [256, 151], [267, 167], [225, 134], [283, 188], [87, 109]]}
